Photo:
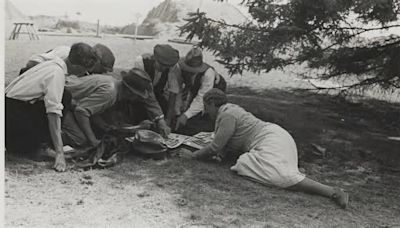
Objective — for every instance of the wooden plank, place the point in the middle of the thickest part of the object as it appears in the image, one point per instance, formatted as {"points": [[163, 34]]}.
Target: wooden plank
{"points": [[138, 37], [183, 41], [18, 30], [67, 34], [13, 32]]}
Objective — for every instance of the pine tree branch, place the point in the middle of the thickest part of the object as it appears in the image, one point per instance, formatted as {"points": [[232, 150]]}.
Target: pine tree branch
{"points": [[369, 29], [365, 82], [223, 23]]}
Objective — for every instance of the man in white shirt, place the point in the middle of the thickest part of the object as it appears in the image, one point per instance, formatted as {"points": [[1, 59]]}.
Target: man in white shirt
{"points": [[195, 78], [33, 103]]}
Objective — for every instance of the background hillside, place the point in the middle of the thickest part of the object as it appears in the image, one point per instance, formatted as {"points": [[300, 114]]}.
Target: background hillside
{"points": [[12, 14], [164, 19]]}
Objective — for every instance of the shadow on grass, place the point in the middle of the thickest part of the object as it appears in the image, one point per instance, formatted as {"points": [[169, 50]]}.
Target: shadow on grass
{"points": [[353, 136]]}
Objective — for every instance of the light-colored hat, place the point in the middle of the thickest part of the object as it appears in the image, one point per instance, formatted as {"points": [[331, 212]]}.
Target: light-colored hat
{"points": [[193, 61]]}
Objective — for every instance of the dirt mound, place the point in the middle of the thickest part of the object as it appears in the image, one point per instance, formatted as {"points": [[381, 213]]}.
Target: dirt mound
{"points": [[12, 13], [45, 22], [164, 19]]}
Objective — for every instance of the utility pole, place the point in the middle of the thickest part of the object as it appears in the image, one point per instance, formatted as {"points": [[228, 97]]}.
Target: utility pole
{"points": [[138, 16], [98, 28]]}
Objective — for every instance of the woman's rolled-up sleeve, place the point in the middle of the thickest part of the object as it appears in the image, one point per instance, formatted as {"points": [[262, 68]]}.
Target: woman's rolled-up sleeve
{"points": [[224, 130]]}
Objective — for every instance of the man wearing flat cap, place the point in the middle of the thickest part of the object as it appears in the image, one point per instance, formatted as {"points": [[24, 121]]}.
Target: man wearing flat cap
{"points": [[97, 94], [157, 66], [194, 78]]}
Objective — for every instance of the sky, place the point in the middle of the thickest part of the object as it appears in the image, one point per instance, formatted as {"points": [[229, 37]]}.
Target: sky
{"points": [[110, 12]]}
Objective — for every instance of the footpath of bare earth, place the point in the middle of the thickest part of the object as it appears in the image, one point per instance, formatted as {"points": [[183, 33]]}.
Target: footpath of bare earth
{"points": [[340, 143]]}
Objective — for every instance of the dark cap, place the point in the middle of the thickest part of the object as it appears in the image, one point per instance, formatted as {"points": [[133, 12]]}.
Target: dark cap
{"points": [[105, 55], [166, 55]]}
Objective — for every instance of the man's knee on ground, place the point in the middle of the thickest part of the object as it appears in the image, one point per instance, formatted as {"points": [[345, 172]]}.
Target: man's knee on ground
{"points": [[74, 139]]}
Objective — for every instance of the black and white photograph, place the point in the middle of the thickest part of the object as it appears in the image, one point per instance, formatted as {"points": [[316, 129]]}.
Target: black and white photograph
{"points": [[200, 113]]}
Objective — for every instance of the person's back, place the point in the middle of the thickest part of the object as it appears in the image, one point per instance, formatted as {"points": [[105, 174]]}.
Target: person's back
{"points": [[94, 93], [247, 126], [29, 85], [60, 52], [57, 52]]}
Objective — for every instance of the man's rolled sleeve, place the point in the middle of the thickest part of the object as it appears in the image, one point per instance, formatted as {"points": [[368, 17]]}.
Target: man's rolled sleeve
{"points": [[54, 92], [197, 105]]}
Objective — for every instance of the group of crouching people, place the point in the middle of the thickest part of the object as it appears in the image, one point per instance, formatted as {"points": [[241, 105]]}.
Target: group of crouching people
{"points": [[71, 95]]}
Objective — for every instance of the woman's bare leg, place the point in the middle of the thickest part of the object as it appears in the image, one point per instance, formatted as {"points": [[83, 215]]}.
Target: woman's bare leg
{"points": [[313, 187]]}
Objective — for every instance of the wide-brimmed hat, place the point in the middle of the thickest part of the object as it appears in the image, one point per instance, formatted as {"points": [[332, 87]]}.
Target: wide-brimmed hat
{"points": [[106, 56], [166, 55], [193, 61], [137, 81]]}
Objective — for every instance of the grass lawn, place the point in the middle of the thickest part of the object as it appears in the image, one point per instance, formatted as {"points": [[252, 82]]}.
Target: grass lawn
{"points": [[176, 192]]}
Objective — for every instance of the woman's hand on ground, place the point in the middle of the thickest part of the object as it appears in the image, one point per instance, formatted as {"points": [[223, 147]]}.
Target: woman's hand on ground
{"points": [[185, 153], [203, 153]]}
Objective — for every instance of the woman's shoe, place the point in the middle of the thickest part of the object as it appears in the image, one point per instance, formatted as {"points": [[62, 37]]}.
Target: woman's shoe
{"points": [[340, 197]]}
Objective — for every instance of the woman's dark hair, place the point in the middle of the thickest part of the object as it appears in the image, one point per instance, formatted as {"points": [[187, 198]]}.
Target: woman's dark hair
{"points": [[215, 96], [82, 54]]}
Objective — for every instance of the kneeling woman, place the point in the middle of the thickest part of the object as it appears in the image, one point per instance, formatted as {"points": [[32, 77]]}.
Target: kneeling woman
{"points": [[270, 153]]}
